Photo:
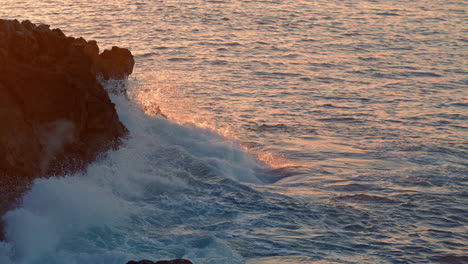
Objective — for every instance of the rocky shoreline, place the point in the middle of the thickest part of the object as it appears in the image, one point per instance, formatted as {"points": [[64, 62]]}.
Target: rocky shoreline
{"points": [[56, 116]]}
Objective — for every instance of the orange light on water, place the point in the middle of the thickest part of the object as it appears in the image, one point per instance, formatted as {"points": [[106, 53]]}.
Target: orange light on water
{"points": [[166, 99]]}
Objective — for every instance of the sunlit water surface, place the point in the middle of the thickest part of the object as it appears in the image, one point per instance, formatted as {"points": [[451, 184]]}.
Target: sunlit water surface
{"points": [[299, 132]]}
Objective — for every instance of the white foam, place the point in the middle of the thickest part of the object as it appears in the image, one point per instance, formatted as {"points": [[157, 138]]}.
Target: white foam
{"points": [[5, 253], [159, 157], [56, 208]]}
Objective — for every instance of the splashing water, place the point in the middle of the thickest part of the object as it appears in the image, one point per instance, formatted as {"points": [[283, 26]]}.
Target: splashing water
{"points": [[162, 159], [298, 132]]}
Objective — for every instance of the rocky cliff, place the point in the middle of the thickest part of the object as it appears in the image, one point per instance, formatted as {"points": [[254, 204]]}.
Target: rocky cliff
{"points": [[55, 117]]}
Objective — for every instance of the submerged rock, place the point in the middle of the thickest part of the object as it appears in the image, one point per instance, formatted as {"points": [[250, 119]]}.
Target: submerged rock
{"points": [[175, 261], [55, 116]]}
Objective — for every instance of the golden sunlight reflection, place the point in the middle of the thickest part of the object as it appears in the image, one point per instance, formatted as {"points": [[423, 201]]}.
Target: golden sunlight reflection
{"points": [[273, 160], [162, 95]]}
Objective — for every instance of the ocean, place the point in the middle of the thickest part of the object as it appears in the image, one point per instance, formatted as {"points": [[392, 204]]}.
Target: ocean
{"points": [[307, 131]]}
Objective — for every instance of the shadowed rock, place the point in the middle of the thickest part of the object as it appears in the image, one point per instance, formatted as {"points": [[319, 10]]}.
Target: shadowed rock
{"points": [[55, 116], [116, 63]]}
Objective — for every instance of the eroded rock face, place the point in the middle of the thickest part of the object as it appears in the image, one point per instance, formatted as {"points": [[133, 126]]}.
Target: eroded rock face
{"points": [[55, 117]]}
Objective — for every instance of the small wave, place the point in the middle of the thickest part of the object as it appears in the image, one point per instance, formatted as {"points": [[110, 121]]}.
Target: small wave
{"points": [[365, 198], [462, 104], [326, 65], [232, 44], [206, 43], [281, 74], [218, 62], [450, 259], [339, 119], [180, 59], [266, 127], [145, 55], [354, 34], [387, 14], [334, 106], [368, 58], [354, 187], [329, 80], [363, 99], [308, 40], [421, 74]]}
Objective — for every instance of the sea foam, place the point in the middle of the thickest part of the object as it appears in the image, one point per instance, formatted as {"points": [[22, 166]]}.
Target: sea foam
{"points": [[55, 219]]}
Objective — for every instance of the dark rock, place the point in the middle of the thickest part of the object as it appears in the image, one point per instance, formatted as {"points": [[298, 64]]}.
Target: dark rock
{"points": [[116, 63], [175, 261], [55, 117]]}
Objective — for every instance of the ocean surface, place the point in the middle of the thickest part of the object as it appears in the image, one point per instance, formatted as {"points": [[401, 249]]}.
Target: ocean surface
{"points": [[307, 131]]}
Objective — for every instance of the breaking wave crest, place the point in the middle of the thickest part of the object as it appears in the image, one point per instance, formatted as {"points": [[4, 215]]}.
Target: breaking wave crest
{"points": [[104, 215]]}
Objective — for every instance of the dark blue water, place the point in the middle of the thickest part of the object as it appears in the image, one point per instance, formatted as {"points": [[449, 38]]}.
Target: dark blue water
{"points": [[298, 132]]}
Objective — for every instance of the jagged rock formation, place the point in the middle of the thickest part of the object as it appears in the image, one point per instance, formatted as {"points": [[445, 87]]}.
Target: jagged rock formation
{"points": [[55, 116], [175, 261]]}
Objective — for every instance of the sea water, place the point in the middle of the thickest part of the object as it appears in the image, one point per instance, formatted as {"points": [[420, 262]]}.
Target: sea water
{"points": [[308, 131]]}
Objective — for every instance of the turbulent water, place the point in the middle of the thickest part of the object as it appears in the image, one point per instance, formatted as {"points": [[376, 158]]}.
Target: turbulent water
{"points": [[305, 131]]}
